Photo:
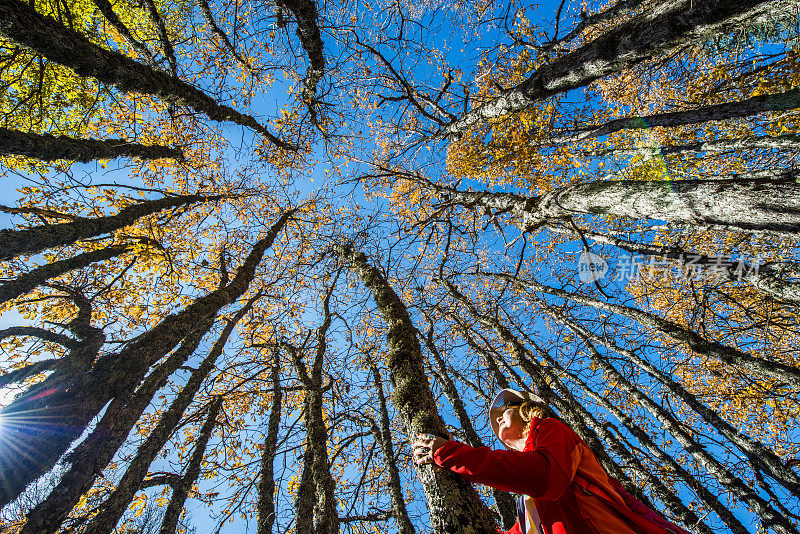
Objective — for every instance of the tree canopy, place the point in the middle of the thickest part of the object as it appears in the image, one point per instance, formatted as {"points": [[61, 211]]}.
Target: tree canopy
{"points": [[251, 248]]}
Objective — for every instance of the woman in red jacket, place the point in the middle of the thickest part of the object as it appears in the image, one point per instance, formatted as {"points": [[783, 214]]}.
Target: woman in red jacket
{"points": [[567, 490]]}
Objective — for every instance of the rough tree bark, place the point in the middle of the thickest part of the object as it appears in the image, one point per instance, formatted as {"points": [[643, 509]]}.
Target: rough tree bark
{"points": [[717, 112], [46, 147], [305, 13], [38, 238], [672, 25], [36, 277], [45, 36], [453, 505], [266, 482], [764, 204], [182, 487]]}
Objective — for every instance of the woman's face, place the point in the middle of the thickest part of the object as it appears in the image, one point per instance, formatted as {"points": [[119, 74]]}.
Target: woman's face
{"points": [[511, 428]]}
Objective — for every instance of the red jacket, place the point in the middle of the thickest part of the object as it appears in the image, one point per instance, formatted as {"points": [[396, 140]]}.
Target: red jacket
{"points": [[546, 470]]}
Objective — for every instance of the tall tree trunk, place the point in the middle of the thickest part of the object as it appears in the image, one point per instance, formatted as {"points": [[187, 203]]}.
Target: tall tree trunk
{"points": [[111, 510], [717, 112], [506, 506], [38, 238], [305, 13], [181, 489], [94, 453], [383, 435], [453, 505], [764, 142], [325, 515], [46, 147], [28, 281], [764, 204], [672, 25], [730, 355], [266, 483], [45, 36]]}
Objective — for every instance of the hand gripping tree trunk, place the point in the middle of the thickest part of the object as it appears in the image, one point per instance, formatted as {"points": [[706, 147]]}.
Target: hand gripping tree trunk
{"points": [[672, 25], [730, 355], [182, 487], [266, 482], [453, 504], [383, 435], [23, 25], [506, 506], [764, 204], [46, 147], [94, 453], [38, 238], [73, 402], [111, 510]]}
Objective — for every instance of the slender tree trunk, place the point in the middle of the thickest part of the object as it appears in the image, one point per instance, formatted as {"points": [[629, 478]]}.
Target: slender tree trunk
{"points": [[46, 147], [305, 12], [325, 515], [765, 142], [764, 204], [266, 483], [674, 24], [38, 238], [93, 454], [453, 505], [768, 278], [730, 355], [717, 112], [180, 490], [506, 506], [30, 280], [383, 436], [111, 510], [45, 36]]}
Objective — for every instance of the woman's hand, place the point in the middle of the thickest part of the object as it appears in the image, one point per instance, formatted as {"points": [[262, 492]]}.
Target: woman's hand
{"points": [[424, 448]]}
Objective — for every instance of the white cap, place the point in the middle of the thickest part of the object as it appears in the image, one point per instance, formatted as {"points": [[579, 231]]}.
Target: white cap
{"points": [[503, 398]]}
